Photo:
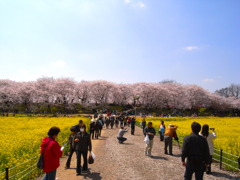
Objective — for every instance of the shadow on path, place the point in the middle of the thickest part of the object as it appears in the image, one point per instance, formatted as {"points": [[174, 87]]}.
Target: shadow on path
{"points": [[128, 144], [225, 175], [159, 157], [100, 138], [91, 175]]}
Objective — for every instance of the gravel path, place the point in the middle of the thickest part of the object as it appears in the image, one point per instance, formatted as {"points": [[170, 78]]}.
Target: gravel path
{"points": [[127, 161]]}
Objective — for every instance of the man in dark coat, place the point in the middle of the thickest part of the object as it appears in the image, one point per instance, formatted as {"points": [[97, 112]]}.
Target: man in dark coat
{"points": [[83, 145], [92, 128], [195, 149], [132, 123]]}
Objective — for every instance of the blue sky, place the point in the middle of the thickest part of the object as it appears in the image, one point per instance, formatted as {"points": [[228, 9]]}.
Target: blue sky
{"points": [[123, 41]]}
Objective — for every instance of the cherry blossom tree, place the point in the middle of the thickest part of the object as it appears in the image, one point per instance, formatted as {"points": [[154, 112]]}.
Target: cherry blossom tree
{"points": [[100, 91], [66, 94], [8, 94]]}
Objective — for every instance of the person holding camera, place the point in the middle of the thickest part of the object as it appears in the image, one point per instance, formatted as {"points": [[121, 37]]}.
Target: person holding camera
{"points": [[168, 135], [209, 136], [121, 132]]}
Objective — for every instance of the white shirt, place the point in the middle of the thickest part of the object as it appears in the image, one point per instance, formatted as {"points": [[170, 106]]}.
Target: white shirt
{"points": [[210, 137]]}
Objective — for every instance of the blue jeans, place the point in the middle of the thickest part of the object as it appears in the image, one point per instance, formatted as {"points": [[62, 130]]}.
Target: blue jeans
{"points": [[50, 176]]}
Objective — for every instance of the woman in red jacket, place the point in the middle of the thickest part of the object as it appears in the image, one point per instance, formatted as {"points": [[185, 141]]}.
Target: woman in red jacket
{"points": [[52, 153]]}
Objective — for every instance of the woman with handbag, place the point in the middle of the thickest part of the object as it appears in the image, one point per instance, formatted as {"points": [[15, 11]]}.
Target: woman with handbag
{"points": [[51, 151], [83, 145]]}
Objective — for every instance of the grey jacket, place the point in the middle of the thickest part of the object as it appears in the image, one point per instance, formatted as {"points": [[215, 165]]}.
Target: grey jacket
{"points": [[121, 132]]}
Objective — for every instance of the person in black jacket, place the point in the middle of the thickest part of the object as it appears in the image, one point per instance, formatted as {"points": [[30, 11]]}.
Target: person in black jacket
{"points": [[150, 131], [92, 128], [83, 145], [72, 145], [195, 149], [143, 124], [132, 123], [98, 127]]}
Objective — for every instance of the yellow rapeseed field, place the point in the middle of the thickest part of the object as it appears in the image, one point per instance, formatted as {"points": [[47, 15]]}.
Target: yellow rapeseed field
{"points": [[20, 137], [227, 129]]}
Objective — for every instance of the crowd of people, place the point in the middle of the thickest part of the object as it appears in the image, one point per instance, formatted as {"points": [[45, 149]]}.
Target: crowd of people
{"points": [[197, 147]]}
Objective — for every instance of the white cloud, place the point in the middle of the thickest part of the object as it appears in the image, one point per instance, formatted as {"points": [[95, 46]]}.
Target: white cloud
{"points": [[191, 48], [134, 4], [208, 80], [127, 1], [140, 4]]}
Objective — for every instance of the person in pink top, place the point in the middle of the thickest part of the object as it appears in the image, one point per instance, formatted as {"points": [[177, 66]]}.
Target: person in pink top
{"points": [[52, 153]]}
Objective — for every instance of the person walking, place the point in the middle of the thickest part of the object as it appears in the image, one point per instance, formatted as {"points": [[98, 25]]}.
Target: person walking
{"points": [[107, 122], [117, 122], [83, 145], [168, 135], [143, 124], [101, 125], [92, 128], [209, 136], [98, 127], [132, 123], [195, 149], [71, 142], [162, 130], [121, 133], [112, 119], [150, 132], [52, 153]]}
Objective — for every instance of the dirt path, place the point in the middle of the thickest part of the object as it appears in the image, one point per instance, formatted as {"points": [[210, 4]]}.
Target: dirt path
{"points": [[127, 161]]}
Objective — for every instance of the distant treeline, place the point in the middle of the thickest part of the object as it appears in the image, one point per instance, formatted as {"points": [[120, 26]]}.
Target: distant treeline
{"points": [[64, 95]]}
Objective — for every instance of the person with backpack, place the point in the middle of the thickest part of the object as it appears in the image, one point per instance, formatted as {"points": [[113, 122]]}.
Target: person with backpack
{"points": [[98, 127], [52, 153], [72, 144], [101, 125]]}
